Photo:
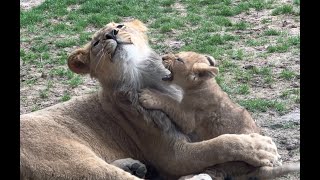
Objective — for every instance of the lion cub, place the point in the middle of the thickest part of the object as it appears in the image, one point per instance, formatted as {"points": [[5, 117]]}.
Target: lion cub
{"points": [[204, 109]]}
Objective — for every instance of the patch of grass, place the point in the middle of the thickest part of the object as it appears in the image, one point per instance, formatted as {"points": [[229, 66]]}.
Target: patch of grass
{"points": [[227, 64], [290, 93], [222, 21], [285, 9], [40, 48], [271, 32], [66, 43], [287, 74], [62, 58], [266, 20], [242, 89], [45, 92], [75, 81], [294, 41], [35, 108], [66, 96], [268, 79], [296, 2], [62, 72], [226, 11], [238, 54], [262, 105], [243, 75], [280, 48], [266, 71], [289, 125], [242, 25], [31, 81], [166, 24], [257, 42]]}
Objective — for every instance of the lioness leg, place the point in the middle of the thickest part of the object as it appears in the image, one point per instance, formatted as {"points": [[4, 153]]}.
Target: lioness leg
{"points": [[60, 155], [85, 165], [253, 148], [132, 166]]}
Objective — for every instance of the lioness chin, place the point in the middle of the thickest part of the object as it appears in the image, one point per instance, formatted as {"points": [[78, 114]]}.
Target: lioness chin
{"points": [[79, 139], [205, 111]]}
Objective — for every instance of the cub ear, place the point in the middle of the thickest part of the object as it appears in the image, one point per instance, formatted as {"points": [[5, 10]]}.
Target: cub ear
{"points": [[203, 71], [78, 61], [211, 60], [137, 23]]}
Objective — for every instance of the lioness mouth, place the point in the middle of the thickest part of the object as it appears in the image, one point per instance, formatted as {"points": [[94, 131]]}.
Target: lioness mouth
{"points": [[168, 77], [117, 45]]}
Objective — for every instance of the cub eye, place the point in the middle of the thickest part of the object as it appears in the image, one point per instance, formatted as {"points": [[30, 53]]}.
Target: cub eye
{"points": [[120, 26], [180, 60], [96, 43]]}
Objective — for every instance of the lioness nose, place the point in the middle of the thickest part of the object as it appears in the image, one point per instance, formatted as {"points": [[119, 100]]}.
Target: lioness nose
{"points": [[112, 34]]}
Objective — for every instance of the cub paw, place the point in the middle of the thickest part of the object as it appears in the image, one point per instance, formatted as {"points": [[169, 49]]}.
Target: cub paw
{"points": [[148, 99], [132, 166]]}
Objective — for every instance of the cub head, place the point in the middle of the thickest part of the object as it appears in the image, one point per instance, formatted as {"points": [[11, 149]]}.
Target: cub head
{"points": [[111, 49], [189, 69]]}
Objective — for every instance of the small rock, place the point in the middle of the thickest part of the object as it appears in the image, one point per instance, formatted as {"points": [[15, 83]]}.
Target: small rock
{"points": [[43, 75], [249, 66], [295, 84], [292, 147], [276, 126], [284, 23]]}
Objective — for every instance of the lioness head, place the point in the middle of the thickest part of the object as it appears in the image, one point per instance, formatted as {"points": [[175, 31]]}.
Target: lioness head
{"points": [[189, 68], [114, 48]]}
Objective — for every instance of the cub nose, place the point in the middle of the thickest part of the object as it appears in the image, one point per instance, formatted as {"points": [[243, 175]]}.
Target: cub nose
{"points": [[112, 34]]}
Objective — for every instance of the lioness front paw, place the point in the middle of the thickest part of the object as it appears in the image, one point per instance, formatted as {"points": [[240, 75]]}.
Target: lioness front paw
{"points": [[255, 149], [149, 99], [263, 151], [132, 166]]}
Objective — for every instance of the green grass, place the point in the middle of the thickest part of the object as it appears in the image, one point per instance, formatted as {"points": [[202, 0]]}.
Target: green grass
{"points": [[279, 48], [262, 105], [66, 96], [66, 43], [75, 81], [285, 9], [45, 92], [243, 89], [271, 32], [238, 54], [242, 25], [287, 74]]}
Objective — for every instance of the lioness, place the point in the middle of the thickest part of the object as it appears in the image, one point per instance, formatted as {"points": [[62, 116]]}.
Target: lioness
{"points": [[205, 110], [79, 139]]}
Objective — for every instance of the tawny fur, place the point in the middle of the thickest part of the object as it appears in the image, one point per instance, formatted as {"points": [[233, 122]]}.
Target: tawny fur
{"points": [[205, 110], [79, 139]]}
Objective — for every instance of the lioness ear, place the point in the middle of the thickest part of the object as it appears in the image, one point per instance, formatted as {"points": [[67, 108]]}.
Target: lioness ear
{"points": [[203, 71], [78, 61], [139, 25]]}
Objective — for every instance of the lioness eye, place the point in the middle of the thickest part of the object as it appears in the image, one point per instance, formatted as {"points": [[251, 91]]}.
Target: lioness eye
{"points": [[179, 59], [96, 43], [120, 26]]}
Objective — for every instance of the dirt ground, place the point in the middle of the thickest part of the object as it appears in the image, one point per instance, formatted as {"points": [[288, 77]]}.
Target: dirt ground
{"points": [[284, 129]]}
